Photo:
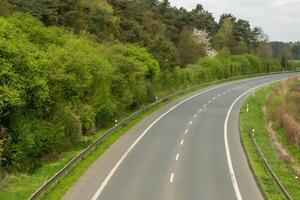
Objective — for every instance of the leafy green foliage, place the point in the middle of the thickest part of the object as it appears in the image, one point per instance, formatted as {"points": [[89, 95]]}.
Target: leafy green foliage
{"points": [[56, 86]]}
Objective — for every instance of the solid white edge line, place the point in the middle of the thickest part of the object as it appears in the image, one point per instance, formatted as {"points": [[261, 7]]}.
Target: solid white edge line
{"points": [[114, 169], [229, 162]]}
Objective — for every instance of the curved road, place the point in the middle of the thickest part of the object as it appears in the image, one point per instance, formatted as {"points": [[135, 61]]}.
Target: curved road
{"points": [[187, 150]]}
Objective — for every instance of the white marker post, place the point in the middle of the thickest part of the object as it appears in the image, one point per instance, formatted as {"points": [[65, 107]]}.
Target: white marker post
{"points": [[247, 107]]}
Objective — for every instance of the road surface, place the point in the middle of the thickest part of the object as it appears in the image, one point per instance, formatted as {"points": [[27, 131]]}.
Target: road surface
{"points": [[188, 150]]}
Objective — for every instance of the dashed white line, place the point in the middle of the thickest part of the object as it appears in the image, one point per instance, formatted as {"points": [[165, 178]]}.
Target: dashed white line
{"points": [[177, 156], [195, 115], [209, 101], [219, 95], [172, 178], [204, 105], [186, 131], [214, 98], [200, 110], [124, 156], [191, 122], [181, 143]]}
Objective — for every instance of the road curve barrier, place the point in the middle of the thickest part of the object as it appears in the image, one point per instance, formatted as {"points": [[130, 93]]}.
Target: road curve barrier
{"points": [[69, 166]]}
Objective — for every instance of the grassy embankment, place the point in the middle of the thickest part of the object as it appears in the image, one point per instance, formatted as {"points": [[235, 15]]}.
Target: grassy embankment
{"points": [[16, 187], [283, 157]]}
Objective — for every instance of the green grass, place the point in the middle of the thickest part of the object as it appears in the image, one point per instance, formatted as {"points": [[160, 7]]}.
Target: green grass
{"points": [[21, 186], [58, 190], [254, 119], [17, 186]]}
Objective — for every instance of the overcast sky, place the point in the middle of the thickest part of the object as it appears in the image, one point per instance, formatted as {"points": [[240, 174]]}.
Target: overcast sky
{"points": [[279, 18]]}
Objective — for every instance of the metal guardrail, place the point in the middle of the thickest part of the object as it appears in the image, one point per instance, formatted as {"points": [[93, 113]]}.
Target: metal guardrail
{"points": [[122, 123], [281, 187], [100, 140]]}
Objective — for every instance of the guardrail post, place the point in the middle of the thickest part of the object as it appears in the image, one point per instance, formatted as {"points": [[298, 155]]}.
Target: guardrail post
{"points": [[99, 140]]}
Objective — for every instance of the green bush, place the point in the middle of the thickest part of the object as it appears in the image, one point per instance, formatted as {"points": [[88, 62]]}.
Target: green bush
{"points": [[56, 86], [271, 65], [255, 64], [32, 139]]}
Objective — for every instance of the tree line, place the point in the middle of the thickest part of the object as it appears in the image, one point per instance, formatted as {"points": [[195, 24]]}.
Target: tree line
{"points": [[71, 67]]}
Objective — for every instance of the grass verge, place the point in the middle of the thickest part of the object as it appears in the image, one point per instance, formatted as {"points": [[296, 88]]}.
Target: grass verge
{"points": [[16, 187], [21, 186], [254, 119]]}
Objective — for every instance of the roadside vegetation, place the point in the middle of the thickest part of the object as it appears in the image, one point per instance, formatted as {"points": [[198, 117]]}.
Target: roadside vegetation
{"points": [[69, 69], [274, 114]]}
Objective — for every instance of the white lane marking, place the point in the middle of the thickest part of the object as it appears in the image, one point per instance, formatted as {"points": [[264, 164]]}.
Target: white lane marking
{"points": [[181, 143], [123, 157], [172, 178], [214, 98], [177, 156], [186, 131], [195, 115], [204, 105], [219, 95], [209, 101], [229, 162], [191, 122], [200, 110]]}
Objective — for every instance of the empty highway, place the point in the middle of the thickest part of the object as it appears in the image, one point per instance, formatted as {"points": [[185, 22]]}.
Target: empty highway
{"points": [[189, 149]]}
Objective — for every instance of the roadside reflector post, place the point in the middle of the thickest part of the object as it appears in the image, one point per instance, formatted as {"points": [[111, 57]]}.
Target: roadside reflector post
{"points": [[247, 107]]}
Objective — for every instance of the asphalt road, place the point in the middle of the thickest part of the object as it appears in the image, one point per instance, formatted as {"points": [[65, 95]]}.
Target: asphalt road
{"points": [[188, 150]]}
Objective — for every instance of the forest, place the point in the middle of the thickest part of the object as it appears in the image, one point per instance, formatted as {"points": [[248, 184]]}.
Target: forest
{"points": [[71, 67]]}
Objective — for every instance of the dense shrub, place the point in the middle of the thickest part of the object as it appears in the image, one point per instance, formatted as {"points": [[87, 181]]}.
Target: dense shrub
{"points": [[56, 86], [271, 65]]}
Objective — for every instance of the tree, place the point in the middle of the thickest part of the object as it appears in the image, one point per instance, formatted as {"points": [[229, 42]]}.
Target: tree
{"points": [[189, 49], [296, 51], [264, 51], [5, 8], [224, 37]]}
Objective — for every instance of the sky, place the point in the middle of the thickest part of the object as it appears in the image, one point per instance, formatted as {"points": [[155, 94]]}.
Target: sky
{"points": [[280, 19]]}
